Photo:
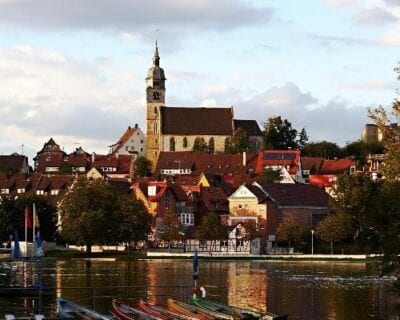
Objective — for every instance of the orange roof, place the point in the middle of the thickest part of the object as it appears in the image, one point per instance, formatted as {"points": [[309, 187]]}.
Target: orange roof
{"points": [[337, 166], [125, 137], [284, 158]]}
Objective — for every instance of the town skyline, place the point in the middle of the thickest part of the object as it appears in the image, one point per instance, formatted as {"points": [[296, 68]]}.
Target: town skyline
{"points": [[77, 75]]}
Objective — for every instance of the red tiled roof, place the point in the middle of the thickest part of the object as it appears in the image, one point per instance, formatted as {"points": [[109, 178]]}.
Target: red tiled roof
{"points": [[13, 163], [214, 199], [125, 137], [197, 121], [296, 195], [322, 180], [338, 166], [202, 162], [286, 158]]}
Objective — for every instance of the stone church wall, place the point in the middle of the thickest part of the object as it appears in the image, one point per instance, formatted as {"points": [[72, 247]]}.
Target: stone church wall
{"points": [[219, 142]]}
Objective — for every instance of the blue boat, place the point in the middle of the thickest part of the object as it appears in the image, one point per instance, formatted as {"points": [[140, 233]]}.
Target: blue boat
{"points": [[68, 309]]}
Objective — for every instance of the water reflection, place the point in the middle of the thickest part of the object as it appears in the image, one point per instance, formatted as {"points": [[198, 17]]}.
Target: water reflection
{"points": [[304, 290]]}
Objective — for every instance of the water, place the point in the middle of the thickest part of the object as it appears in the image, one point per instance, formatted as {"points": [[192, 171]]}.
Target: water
{"points": [[303, 290]]}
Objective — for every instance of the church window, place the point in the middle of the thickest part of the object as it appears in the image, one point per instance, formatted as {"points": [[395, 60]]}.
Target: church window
{"points": [[172, 144], [155, 110], [211, 145], [185, 142], [155, 127]]}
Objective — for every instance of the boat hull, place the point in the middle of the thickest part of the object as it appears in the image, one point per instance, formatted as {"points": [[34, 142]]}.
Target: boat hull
{"points": [[70, 310], [124, 312]]}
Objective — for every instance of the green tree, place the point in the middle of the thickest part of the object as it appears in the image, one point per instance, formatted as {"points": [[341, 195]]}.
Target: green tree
{"points": [[279, 134], [92, 212], [135, 220], [303, 139], [142, 167], [211, 228], [65, 168], [269, 175], [252, 230], [359, 150], [333, 228], [169, 227], [200, 144], [238, 143], [324, 149], [288, 230]]}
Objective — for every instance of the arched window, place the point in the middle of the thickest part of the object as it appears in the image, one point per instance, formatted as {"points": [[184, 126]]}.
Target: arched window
{"points": [[185, 142], [155, 110], [211, 145], [172, 144], [155, 127]]}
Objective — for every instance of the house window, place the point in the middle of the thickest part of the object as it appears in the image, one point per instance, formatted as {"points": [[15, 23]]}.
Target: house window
{"points": [[187, 219], [54, 192], [40, 192], [127, 148], [141, 141], [172, 144], [5, 191], [185, 142], [21, 190]]}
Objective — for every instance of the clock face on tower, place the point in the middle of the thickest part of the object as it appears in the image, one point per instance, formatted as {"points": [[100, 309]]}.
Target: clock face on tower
{"points": [[156, 95]]}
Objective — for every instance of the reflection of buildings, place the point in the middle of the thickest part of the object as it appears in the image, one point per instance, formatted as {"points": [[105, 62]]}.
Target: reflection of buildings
{"points": [[247, 288]]}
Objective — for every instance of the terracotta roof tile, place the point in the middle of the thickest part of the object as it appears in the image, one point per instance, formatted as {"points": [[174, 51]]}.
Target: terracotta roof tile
{"points": [[197, 121], [338, 166]]}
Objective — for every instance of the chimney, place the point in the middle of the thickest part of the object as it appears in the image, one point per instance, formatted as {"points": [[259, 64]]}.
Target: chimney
{"points": [[136, 125], [93, 157], [244, 159]]}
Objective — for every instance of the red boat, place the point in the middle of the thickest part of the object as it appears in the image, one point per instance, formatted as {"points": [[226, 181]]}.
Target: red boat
{"points": [[161, 312], [124, 312]]}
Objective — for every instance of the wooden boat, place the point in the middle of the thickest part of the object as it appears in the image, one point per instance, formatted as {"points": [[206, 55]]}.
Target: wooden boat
{"points": [[68, 309], [195, 311], [236, 312], [124, 312], [161, 312]]}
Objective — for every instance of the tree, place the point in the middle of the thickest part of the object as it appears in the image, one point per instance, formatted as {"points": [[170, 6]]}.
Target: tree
{"points": [[65, 168], [169, 227], [279, 134], [252, 230], [303, 139], [359, 150], [92, 212], [353, 196], [288, 230], [142, 167], [333, 228], [324, 149], [211, 228], [269, 175], [200, 144], [135, 220], [238, 143]]}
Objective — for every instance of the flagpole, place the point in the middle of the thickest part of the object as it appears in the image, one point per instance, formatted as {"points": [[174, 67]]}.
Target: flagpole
{"points": [[26, 230]]}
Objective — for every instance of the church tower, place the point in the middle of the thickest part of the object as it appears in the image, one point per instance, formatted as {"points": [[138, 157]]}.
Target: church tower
{"points": [[155, 98]]}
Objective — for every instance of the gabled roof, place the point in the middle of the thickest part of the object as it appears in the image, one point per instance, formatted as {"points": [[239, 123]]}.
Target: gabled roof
{"points": [[197, 121], [124, 138], [296, 195], [261, 196], [311, 163], [250, 126], [122, 163], [214, 199]]}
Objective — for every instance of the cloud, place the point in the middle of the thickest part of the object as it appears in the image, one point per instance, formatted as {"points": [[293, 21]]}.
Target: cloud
{"points": [[375, 16], [329, 41], [369, 85], [343, 3], [130, 16], [391, 38], [335, 120], [46, 94]]}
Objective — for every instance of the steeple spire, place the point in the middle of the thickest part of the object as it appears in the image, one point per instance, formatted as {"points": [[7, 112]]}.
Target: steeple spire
{"points": [[156, 58]]}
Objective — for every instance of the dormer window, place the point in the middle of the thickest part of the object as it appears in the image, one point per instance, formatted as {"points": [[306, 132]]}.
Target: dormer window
{"points": [[21, 190], [40, 192], [54, 192], [5, 191]]}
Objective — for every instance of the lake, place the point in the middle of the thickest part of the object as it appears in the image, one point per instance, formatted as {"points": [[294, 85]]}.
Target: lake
{"points": [[303, 290]]}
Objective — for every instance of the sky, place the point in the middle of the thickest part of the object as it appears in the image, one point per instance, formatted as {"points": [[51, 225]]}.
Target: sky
{"points": [[75, 70]]}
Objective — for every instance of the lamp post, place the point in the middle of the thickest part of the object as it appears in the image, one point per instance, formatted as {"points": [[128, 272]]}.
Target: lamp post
{"points": [[312, 241]]}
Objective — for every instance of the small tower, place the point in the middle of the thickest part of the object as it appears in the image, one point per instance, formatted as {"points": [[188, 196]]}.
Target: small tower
{"points": [[155, 98]]}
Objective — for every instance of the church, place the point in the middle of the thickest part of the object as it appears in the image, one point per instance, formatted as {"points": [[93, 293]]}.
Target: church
{"points": [[176, 128]]}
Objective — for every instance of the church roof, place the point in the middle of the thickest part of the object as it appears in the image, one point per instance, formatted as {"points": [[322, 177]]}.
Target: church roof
{"points": [[250, 126], [197, 121]]}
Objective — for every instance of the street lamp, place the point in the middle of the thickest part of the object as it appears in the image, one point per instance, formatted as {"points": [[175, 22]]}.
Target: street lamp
{"points": [[312, 241]]}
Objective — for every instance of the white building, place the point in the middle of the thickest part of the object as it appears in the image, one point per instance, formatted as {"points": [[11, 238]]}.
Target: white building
{"points": [[131, 142]]}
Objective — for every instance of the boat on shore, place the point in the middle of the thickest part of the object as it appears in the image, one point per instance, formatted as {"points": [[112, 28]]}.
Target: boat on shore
{"points": [[236, 312], [124, 312], [195, 311], [71, 310], [161, 312]]}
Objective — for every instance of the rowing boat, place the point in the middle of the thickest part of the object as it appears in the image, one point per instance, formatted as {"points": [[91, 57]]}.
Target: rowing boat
{"points": [[236, 312], [195, 311], [124, 312], [68, 309], [161, 312]]}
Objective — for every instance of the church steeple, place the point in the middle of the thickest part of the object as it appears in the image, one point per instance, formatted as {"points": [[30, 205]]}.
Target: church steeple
{"points": [[156, 57]]}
